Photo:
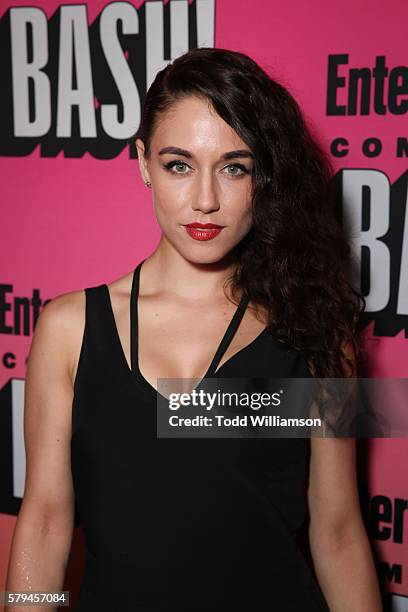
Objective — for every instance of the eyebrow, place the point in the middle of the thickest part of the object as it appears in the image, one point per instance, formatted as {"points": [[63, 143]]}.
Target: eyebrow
{"points": [[189, 155]]}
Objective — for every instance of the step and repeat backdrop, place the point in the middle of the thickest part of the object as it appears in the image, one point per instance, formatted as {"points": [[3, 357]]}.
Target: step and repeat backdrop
{"points": [[75, 212]]}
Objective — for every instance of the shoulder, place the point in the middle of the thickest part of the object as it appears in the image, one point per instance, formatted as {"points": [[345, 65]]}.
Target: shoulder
{"points": [[61, 313], [59, 328], [119, 293], [121, 286]]}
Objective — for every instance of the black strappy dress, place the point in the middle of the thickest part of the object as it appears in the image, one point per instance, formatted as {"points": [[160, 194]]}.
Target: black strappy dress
{"points": [[185, 525]]}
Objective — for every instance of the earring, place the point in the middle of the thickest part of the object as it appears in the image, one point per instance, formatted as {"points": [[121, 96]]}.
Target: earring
{"points": [[148, 183]]}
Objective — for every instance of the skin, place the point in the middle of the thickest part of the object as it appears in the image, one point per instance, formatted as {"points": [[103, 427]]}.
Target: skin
{"points": [[203, 188], [181, 283]]}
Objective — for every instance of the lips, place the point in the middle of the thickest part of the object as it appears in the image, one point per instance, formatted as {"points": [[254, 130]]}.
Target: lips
{"points": [[203, 231], [204, 225]]}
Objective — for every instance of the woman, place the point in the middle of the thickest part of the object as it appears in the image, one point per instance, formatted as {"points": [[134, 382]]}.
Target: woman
{"points": [[248, 279]]}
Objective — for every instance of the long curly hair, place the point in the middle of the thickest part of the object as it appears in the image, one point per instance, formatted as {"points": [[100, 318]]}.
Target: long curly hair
{"points": [[295, 261]]}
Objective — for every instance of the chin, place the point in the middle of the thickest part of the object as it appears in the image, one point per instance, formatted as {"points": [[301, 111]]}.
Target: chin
{"points": [[204, 258], [205, 255]]}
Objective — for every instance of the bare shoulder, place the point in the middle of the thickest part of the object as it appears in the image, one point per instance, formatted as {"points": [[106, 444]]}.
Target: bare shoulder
{"points": [[59, 330], [120, 287], [63, 309], [61, 324], [119, 292]]}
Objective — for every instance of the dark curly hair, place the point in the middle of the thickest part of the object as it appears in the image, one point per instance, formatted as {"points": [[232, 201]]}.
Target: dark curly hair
{"points": [[295, 260]]}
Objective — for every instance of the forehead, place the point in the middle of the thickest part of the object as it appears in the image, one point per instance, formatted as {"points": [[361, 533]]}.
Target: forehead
{"points": [[191, 123]]}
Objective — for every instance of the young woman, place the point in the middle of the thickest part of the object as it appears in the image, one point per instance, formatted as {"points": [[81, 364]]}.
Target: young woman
{"points": [[249, 279]]}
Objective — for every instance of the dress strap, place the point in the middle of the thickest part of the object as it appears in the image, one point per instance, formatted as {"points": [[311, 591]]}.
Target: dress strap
{"points": [[229, 334], [98, 339], [225, 341], [134, 293]]}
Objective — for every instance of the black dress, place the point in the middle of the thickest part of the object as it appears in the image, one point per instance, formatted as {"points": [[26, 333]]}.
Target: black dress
{"points": [[192, 524]]}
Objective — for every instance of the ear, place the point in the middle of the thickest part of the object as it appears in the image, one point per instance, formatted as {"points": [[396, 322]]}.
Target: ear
{"points": [[142, 160]]}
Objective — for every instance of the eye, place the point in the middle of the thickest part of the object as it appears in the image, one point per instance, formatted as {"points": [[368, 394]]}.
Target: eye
{"points": [[242, 170], [175, 162]]}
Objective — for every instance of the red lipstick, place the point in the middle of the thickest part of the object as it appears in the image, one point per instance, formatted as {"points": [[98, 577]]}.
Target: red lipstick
{"points": [[203, 231]]}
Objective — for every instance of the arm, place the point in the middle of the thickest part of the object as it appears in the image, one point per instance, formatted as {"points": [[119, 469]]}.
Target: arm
{"points": [[338, 541], [43, 531]]}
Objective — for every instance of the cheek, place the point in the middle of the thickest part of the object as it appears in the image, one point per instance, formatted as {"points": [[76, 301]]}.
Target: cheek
{"points": [[241, 210], [239, 194], [247, 220], [167, 208], [168, 192], [245, 223]]}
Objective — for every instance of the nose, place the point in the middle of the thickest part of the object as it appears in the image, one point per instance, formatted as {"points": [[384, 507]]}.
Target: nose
{"points": [[206, 197]]}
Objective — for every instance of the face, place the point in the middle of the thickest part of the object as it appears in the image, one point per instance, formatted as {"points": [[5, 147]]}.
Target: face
{"points": [[200, 172]]}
